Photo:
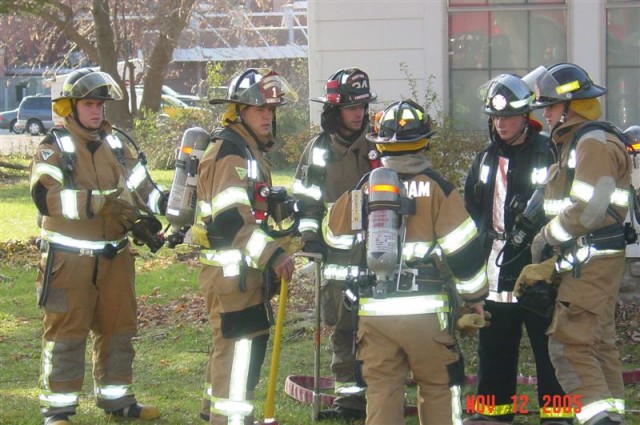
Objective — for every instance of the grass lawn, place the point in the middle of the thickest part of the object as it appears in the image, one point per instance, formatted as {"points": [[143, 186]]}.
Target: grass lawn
{"points": [[174, 338]]}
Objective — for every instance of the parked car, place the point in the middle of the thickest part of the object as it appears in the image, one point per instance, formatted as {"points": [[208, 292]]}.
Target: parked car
{"points": [[186, 98], [34, 115], [8, 120]]}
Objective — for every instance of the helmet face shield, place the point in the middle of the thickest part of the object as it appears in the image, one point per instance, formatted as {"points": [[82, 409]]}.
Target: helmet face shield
{"points": [[506, 95], [94, 85], [545, 87], [257, 87]]}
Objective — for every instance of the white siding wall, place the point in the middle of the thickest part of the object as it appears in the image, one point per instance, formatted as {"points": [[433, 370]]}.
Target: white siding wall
{"points": [[377, 36]]}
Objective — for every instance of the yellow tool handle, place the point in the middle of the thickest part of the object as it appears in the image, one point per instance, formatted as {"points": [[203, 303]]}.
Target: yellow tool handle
{"points": [[275, 355]]}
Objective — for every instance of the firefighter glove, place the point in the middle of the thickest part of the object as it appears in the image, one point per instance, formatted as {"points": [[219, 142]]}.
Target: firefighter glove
{"points": [[118, 211], [534, 273], [469, 323], [283, 266]]}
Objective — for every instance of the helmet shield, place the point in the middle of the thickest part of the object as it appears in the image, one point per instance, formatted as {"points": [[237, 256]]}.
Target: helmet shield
{"points": [[346, 87], [403, 121], [506, 95], [257, 87], [561, 83], [92, 85]]}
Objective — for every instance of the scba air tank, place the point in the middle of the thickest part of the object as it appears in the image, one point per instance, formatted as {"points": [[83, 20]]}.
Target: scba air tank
{"points": [[383, 223], [181, 208]]}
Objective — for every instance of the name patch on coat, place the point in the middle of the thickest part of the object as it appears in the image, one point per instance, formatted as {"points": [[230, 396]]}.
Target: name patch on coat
{"points": [[418, 189]]}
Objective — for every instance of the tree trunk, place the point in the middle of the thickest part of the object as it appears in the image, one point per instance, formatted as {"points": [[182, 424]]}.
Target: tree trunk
{"points": [[176, 18], [117, 112]]}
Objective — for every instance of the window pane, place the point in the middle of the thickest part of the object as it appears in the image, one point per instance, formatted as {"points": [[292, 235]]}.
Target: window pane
{"points": [[623, 66], [497, 42], [466, 106], [509, 40], [468, 40], [548, 38]]}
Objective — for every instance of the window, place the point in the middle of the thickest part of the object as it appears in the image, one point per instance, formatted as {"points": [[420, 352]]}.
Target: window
{"points": [[486, 39], [623, 62]]}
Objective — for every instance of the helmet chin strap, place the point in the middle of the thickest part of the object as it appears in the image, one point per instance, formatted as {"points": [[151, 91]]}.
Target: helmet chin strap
{"points": [[562, 120]]}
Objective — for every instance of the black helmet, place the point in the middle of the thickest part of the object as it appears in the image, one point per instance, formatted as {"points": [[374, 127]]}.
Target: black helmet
{"points": [[257, 87], [506, 95], [562, 82], [402, 127], [345, 87], [88, 84], [633, 136]]}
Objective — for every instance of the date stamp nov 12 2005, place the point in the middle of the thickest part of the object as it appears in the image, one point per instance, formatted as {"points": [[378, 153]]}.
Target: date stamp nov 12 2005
{"points": [[519, 404]]}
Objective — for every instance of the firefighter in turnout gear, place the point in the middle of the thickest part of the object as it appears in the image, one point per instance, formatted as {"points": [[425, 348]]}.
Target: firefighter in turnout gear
{"points": [[332, 163], [90, 191], [241, 263], [407, 297], [500, 183], [586, 200]]}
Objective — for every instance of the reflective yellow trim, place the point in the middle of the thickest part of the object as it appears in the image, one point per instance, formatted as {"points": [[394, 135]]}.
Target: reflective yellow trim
{"points": [[256, 244], [309, 225], [497, 410], [456, 405], [403, 306], [343, 242], [584, 192], [474, 284], [313, 191], [339, 272], [318, 157], [138, 174], [592, 409], [459, 237], [42, 169], [557, 230], [54, 237], [69, 201], [228, 197], [583, 255], [417, 250], [568, 87], [553, 207], [113, 392]]}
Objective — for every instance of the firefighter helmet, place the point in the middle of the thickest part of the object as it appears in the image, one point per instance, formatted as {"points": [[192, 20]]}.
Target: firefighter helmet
{"points": [[633, 136], [403, 127], [506, 95], [562, 82], [86, 83], [345, 87], [257, 87]]}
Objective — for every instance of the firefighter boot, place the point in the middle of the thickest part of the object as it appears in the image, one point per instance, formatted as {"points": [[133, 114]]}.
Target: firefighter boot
{"points": [[136, 411], [59, 419]]}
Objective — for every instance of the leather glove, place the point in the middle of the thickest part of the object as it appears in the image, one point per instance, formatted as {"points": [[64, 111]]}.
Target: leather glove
{"points": [[118, 211], [283, 266], [534, 273], [537, 246], [470, 321], [146, 231]]}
